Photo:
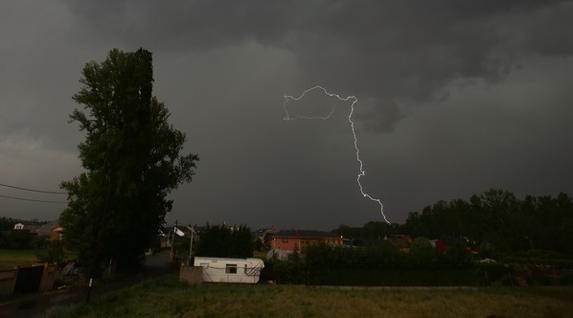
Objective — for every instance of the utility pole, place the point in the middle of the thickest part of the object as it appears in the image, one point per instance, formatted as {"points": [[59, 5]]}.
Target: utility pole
{"points": [[172, 256], [90, 285], [192, 236]]}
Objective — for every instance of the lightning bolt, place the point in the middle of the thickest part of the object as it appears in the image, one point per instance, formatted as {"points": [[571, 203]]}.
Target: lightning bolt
{"points": [[353, 100]]}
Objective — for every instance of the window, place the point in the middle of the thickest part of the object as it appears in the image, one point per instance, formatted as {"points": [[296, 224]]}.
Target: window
{"points": [[231, 269]]}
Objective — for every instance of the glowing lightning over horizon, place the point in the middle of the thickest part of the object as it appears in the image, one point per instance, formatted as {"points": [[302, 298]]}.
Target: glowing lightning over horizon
{"points": [[353, 100]]}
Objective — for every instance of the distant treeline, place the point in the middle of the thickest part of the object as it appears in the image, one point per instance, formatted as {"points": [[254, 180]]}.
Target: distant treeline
{"points": [[495, 219], [22, 239], [221, 241], [8, 223]]}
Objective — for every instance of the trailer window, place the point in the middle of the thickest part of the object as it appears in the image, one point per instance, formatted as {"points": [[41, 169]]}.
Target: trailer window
{"points": [[231, 269]]}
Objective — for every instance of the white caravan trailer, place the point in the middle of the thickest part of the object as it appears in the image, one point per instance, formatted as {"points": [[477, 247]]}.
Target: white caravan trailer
{"points": [[230, 270]]}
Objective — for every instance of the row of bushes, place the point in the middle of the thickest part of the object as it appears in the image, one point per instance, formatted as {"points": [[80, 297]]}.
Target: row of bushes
{"points": [[299, 270], [382, 264], [558, 263], [22, 239], [385, 265], [386, 256]]}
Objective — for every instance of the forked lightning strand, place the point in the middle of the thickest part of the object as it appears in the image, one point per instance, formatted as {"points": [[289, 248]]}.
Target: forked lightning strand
{"points": [[353, 100]]}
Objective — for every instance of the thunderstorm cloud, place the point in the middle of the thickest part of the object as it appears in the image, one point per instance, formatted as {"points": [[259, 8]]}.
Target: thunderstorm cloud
{"points": [[455, 97]]}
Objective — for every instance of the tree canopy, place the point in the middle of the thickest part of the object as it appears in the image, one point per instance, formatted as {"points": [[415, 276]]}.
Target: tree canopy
{"points": [[221, 241], [132, 158], [495, 220], [500, 218]]}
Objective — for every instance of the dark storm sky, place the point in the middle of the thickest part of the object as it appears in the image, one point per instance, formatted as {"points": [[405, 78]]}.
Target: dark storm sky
{"points": [[455, 97]]}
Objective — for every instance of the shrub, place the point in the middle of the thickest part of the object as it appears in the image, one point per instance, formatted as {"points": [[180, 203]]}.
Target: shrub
{"points": [[493, 273], [22, 239], [287, 271], [422, 253], [487, 250], [458, 256], [539, 280], [220, 241], [566, 280], [54, 253]]}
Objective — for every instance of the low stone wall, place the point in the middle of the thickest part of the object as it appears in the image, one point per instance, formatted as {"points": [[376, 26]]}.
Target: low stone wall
{"points": [[7, 282], [193, 275]]}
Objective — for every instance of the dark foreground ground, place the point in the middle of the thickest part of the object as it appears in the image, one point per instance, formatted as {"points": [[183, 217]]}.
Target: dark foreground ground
{"points": [[167, 297], [37, 305]]}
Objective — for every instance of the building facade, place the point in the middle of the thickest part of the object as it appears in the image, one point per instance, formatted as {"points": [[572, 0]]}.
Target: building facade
{"points": [[298, 240]]}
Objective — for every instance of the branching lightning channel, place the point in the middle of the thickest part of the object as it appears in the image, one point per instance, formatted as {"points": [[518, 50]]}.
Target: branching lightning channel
{"points": [[353, 100]]}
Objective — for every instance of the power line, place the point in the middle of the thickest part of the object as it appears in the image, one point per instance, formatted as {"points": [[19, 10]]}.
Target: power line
{"points": [[26, 199], [32, 190]]}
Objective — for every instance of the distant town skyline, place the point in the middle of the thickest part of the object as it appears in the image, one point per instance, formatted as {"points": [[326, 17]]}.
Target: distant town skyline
{"points": [[455, 98]]}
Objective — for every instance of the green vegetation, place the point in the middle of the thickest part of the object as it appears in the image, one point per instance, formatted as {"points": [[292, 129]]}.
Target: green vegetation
{"points": [[501, 219], [385, 265], [22, 239], [169, 298], [53, 254], [11, 257], [530, 238], [23, 247], [132, 158], [496, 222], [7, 223], [220, 241]]}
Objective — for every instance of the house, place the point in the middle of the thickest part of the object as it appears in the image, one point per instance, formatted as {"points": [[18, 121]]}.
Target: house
{"points": [[297, 240], [401, 241], [164, 239], [230, 270], [57, 233], [31, 226], [264, 235], [52, 230]]}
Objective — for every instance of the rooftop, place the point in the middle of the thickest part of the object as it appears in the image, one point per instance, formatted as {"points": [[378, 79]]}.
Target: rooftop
{"points": [[306, 233]]}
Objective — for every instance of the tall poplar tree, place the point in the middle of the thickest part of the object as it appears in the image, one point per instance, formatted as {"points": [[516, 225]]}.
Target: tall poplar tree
{"points": [[132, 158]]}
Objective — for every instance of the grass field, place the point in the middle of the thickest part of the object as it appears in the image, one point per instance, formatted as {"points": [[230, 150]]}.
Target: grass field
{"points": [[11, 258], [167, 297]]}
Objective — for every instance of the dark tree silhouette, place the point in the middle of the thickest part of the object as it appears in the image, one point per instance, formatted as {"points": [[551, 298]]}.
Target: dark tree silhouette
{"points": [[220, 241], [498, 219], [132, 157]]}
